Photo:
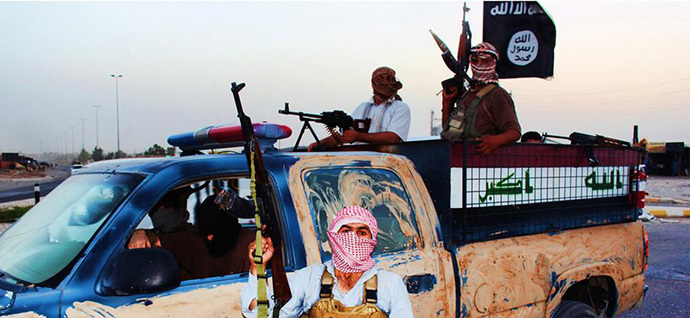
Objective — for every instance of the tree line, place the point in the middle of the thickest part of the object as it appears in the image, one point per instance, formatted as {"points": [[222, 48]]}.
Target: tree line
{"points": [[98, 154]]}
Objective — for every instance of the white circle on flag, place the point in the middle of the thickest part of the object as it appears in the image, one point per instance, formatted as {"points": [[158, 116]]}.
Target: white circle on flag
{"points": [[522, 48]]}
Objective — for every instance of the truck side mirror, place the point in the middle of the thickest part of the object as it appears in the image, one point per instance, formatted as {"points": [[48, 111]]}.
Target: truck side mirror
{"points": [[141, 271]]}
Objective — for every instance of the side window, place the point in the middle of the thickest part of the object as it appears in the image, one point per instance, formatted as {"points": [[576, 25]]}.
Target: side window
{"points": [[205, 240], [378, 190]]}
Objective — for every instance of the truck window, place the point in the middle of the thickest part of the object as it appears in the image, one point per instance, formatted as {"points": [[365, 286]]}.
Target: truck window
{"points": [[48, 237], [178, 230], [379, 190]]}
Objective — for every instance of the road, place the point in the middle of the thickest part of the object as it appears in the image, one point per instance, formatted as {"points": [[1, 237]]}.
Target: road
{"points": [[668, 276], [24, 189]]}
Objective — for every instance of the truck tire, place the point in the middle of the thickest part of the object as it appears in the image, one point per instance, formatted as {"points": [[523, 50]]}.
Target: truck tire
{"points": [[574, 309]]}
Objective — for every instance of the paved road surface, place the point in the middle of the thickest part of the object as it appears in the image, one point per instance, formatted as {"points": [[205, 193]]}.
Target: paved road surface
{"points": [[25, 189], [668, 276]]}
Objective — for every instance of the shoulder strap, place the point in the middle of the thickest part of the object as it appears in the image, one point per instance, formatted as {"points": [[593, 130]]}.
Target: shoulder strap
{"points": [[326, 285], [485, 91], [471, 113], [370, 290]]}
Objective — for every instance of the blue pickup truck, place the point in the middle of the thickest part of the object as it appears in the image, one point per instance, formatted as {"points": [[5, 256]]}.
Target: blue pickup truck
{"points": [[533, 231]]}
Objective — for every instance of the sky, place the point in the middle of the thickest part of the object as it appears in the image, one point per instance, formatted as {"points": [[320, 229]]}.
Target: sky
{"points": [[617, 64]]}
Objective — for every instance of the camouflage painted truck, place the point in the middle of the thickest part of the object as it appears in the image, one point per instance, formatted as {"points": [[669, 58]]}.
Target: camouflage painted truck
{"points": [[532, 231]]}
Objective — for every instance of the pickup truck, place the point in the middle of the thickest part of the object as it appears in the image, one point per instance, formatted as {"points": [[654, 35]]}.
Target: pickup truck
{"points": [[532, 231]]}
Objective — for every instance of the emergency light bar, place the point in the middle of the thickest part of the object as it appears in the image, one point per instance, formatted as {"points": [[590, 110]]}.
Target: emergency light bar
{"points": [[227, 136]]}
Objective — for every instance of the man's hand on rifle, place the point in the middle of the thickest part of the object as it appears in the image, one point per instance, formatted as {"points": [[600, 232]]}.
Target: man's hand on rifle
{"points": [[267, 253], [447, 103]]}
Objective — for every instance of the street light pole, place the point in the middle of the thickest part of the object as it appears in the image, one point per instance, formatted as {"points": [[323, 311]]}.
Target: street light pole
{"points": [[117, 108], [64, 134], [96, 107], [72, 127], [82, 133]]}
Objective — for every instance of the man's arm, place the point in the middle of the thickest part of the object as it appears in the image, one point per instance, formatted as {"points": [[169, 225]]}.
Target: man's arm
{"points": [[326, 142], [299, 283], [489, 143], [400, 306], [143, 239], [503, 111], [372, 138]]}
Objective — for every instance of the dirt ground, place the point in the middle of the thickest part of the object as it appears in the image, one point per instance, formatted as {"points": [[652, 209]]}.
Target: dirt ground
{"points": [[669, 187], [21, 174]]}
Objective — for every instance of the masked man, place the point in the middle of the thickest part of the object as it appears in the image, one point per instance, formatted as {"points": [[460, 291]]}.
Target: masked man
{"points": [[486, 112], [389, 115], [350, 285]]}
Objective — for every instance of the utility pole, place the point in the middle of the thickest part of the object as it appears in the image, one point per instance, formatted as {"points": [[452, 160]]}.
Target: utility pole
{"points": [[82, 133], [117, 108], [96, 107], [434, 130]]}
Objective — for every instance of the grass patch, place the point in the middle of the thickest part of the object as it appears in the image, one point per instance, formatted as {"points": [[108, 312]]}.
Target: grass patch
{"points": [[13, 213]]}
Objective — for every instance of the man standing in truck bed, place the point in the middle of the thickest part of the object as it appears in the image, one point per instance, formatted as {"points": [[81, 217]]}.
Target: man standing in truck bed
{"points": [[486, 111]]}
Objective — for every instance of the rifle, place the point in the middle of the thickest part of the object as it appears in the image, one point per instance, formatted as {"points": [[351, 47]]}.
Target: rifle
{"points": [[332, 119], [460, 65], [577, 138], [261, 188]]}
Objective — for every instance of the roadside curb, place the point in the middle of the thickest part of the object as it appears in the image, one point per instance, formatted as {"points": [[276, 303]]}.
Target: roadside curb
{"points": [[20, 203], [668, 212], [665, 200]]}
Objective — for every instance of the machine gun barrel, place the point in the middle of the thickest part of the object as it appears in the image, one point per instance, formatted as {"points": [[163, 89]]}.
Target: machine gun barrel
{"points": [[302, 115]]}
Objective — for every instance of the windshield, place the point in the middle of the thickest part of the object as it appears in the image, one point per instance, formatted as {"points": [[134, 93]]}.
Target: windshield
{"points": [[48, 237]]}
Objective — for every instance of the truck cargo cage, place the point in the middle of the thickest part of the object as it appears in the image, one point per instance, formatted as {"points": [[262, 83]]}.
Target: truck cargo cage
{"points": [[524, 188], [534, 188]]}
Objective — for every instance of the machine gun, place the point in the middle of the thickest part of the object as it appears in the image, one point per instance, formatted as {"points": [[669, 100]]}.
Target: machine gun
{"points": [[332, 120]]}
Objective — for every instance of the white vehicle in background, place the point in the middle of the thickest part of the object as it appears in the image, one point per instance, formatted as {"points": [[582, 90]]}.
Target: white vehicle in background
{"points": [[76, 167]]}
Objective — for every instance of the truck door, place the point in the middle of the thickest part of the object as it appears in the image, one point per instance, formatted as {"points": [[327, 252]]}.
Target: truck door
{"points": [[216, 295], [408, 242]]}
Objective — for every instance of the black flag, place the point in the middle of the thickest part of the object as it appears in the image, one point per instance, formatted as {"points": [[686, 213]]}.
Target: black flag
{"points": [[524, 36]]}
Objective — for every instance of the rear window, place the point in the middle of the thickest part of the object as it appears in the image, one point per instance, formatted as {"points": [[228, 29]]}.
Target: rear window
{"points": [[380, 191]]}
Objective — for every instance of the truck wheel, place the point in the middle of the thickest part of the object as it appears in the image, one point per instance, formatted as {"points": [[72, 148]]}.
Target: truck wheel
{"points": [[574, 309]]}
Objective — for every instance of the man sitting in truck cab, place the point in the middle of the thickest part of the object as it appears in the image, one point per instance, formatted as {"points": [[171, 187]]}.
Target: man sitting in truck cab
{"points": [[390, 116], [168, 215], [215, 247], [349, 284], [486, 111]]}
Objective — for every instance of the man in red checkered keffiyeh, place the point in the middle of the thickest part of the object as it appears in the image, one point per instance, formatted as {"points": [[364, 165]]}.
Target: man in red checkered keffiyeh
{"points": [[338, 287], [352, 236]]}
